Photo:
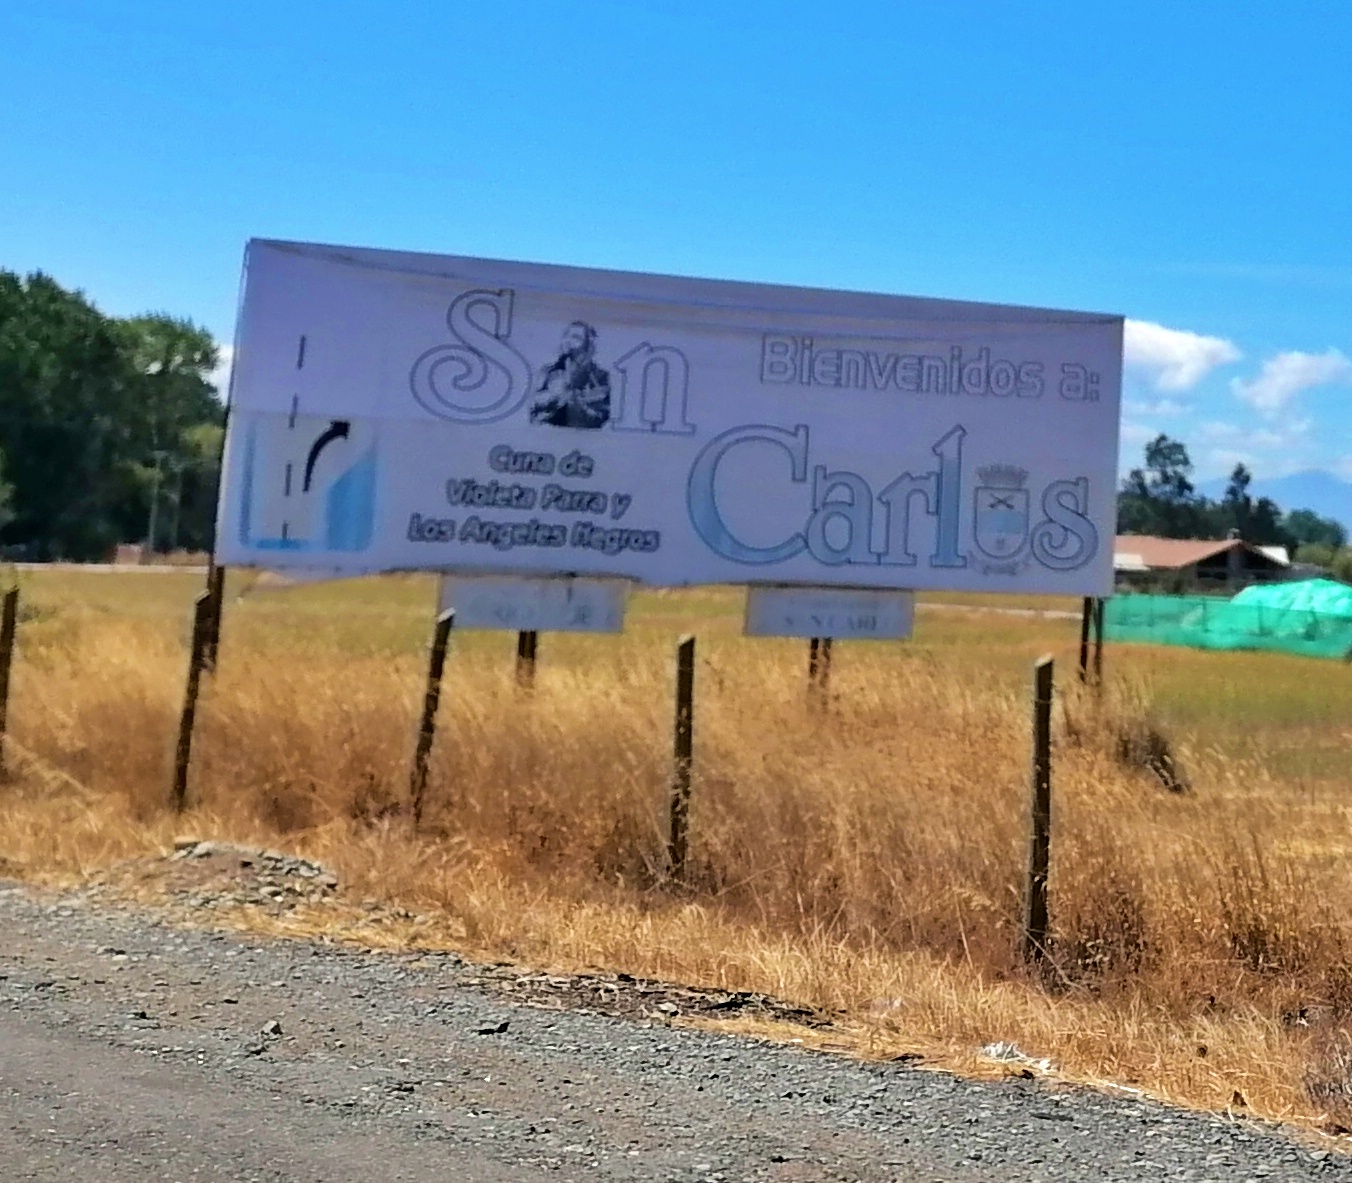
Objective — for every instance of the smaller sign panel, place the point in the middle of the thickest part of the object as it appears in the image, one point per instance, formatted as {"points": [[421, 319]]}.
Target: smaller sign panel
{"points": [[536, 605], [842, 613]]}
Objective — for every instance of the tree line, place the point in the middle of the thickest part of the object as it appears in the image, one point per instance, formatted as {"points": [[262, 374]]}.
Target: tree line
{"points": [[1160, 499], [110, 428]]}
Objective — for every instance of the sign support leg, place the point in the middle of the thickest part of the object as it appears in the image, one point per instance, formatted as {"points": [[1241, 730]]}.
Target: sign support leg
{"points": [[1098, 643], [527, 642], [818, 667], [427, 725], [216, 592], [201, 624], [1035, 923], [1086, 618], [9, 618], [678, 840]]}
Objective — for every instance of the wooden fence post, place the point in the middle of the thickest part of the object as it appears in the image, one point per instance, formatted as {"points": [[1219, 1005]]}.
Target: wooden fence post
{"points": [[216, 590], [9, 619], [1035, 925], [427, 726], [683, 747], [1086, 617], [201, 624], [527, 643], [818, 667]]}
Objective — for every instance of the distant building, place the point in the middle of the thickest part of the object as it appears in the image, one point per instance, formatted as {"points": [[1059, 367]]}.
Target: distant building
{"points": [[1191, 563]]}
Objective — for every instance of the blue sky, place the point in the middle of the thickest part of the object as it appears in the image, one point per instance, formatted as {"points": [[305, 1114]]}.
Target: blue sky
{"points": [[1186, 165]]}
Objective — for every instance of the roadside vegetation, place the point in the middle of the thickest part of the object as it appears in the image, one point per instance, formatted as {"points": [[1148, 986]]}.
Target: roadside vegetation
{"points": [[110, 427], [1160, 499], [864, 858]]}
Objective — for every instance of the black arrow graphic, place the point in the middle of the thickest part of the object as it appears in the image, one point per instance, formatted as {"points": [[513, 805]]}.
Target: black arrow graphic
{"points": [[337, 430]]}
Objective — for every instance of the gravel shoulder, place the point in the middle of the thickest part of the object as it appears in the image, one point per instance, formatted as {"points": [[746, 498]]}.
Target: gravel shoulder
{"points": [[133, 1049]]}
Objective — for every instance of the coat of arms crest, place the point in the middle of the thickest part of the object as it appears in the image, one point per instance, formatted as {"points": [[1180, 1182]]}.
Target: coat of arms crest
{"points": [[1001, 511]]}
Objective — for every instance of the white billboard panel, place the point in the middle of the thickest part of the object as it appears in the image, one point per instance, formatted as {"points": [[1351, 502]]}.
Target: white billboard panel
{"points": [[393, 411]]}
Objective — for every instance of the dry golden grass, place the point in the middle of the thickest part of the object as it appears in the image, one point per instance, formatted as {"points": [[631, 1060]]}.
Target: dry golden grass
{"points": [[864, 858]]}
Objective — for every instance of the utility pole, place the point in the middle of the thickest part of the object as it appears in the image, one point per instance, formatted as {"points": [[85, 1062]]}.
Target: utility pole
{"points": [[178, 466], [154, 504]]}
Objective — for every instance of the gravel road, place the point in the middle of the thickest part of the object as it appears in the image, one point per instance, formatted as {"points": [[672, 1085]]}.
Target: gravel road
{"points": [[131, 1050]]}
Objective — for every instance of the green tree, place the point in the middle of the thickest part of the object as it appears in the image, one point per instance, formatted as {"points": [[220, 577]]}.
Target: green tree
{"points": [[1317, 554], [6, 496], [65, 417], [1236, 504], [1342, 565], [172, 361], [194, 502], [1160, 498], [1306, 527], [93, 413], [1265, 526]]}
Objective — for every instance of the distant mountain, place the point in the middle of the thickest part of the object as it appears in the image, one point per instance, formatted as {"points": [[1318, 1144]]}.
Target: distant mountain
{"points": [[1315, 489]]}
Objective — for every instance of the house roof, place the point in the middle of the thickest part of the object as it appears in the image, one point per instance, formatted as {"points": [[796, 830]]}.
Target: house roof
{"points": [[1132, 551]]}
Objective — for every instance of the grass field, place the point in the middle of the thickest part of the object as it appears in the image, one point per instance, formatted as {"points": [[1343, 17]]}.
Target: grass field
{"points": [[864, 858]]}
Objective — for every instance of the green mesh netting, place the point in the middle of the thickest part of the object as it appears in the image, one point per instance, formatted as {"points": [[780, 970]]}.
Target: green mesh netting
{"points": [[1312, 617]]}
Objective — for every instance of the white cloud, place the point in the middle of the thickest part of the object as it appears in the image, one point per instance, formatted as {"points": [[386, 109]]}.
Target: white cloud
{"points": [[1223, 460], [1287, 374], [1165, 408], [1217, 431], [1275, 450], [1282, 436], [1288, 435], [1137, 433], [1174, 359]]}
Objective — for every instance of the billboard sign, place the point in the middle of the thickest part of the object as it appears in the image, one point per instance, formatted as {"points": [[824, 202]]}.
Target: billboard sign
{"points": [[396, 411]]}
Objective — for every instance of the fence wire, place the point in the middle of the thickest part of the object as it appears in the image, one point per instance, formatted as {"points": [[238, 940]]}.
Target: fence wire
{"points": [[1312, 618]]}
